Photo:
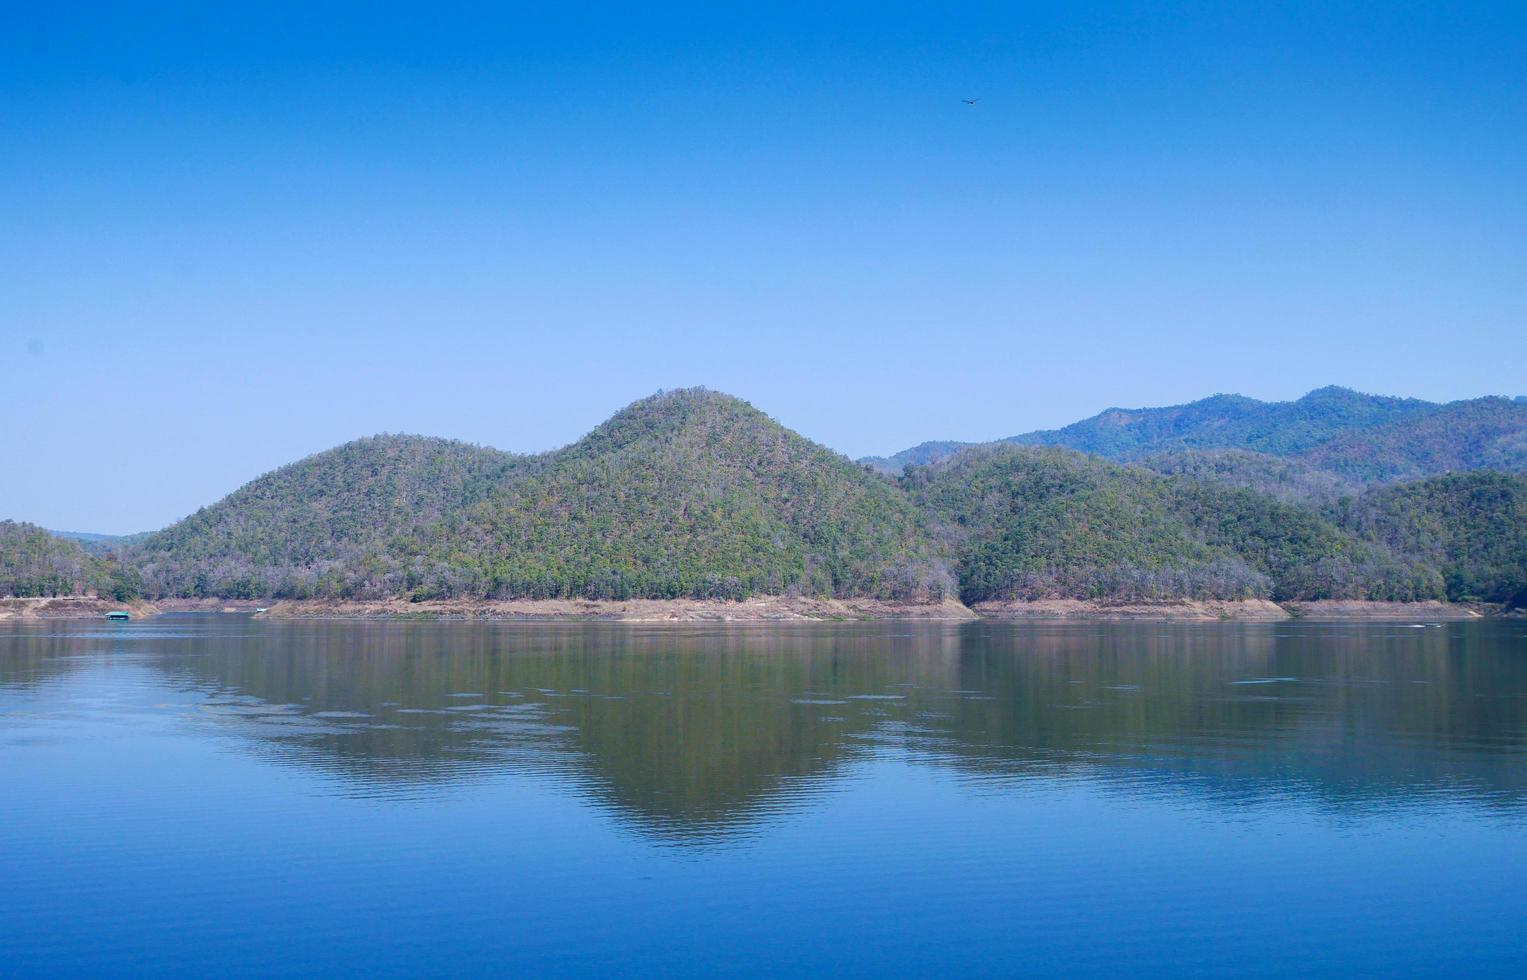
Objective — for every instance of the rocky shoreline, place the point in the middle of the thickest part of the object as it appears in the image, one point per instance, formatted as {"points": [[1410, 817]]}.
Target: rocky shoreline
{"points": [[1186, 610], [762, 609]]}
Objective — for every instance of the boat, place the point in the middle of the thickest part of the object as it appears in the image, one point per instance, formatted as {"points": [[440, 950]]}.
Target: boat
{"points": [[121, 615]]}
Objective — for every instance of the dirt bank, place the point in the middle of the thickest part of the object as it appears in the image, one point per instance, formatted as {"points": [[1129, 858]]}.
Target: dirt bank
{"points": [[1247, 610], [70, 607], [764, 609], [1410, 611], [211, 605]]}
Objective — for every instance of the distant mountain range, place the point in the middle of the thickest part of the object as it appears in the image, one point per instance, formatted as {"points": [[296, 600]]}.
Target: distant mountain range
{"points": [[693, 493], [1360, 438]]}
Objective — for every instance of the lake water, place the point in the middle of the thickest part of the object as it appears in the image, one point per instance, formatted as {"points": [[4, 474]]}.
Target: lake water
{"points": [[224, 796]]}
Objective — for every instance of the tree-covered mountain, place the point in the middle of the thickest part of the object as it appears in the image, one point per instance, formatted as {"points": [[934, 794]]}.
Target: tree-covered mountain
{"points": [[1481, 434], [1029, 523], [1359, 438], [357, 519], [36, 563], [696, 494], [1472, 527], [688, 493], [1231, 422]]}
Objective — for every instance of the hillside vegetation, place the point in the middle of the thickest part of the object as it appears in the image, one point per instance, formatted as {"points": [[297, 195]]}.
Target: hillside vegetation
{"points": [[1290, 481], [695, 494], [355, 520], [35, 563], [1471, 527], [1482, 434], [1031, 523], [688, 493]]}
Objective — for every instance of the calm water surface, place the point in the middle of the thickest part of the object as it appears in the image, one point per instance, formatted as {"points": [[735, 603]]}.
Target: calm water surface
{"points": [[219, 795]]}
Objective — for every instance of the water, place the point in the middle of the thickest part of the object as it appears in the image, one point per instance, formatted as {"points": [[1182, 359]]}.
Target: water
{"points": [[219, 795]]}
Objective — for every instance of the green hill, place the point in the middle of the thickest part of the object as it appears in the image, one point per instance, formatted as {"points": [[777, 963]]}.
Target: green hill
{"points": [[1482, 434], [697, 494], [36, 563], [688, 493], [358, 519], [1472, 527], [1030, 523]]}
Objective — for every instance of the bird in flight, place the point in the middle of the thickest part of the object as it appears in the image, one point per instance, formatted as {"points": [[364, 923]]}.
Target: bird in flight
{"points": [[970, 101]]}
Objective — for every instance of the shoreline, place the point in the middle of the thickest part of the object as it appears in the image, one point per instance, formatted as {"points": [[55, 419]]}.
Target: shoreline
{"points": [[1362, 609], [71, 607], [1095, 610], [761, 609]]}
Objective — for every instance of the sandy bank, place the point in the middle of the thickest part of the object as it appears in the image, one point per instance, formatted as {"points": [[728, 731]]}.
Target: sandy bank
{"points": [[764, 609], [1247, 610], [211, 605], [70, 607], [1409, 611]]}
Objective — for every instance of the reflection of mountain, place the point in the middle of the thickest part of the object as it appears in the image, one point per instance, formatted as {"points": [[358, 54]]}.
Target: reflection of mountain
{"points": [[688, 732], [1346, 715], [691, 733]]}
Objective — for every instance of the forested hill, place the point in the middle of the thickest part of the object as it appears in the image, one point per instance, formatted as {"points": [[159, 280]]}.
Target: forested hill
{"points": [[696, 494], [1031, 523], [356, 519], [1361, 438], [35, 563], [1472, 527], [687, 493]]}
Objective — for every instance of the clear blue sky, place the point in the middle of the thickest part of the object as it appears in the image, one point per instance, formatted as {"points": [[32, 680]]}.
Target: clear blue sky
{"points": [[234, 235]]}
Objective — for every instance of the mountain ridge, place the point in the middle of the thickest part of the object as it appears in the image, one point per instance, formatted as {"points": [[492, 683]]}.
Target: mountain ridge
{"points": [[696, 495], [1325, 428]]}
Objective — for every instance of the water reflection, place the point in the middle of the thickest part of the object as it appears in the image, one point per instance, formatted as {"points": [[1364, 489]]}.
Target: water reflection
{"points": [[695, 734]]}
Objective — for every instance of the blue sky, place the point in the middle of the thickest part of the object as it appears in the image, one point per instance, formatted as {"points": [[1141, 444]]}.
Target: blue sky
{"points": [[235, 235]]}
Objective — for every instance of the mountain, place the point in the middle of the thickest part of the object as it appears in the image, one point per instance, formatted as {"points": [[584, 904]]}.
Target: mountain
{"points": [[1471, 526], [344, 519], [1029, 523], [1358, 438], [692, 493], [35, 562], [1481, 434], [1230, 422], [687, 493]]}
